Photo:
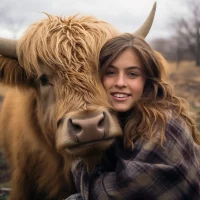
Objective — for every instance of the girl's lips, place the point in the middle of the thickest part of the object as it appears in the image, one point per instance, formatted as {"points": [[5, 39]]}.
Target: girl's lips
{"points": [[120, 96]]}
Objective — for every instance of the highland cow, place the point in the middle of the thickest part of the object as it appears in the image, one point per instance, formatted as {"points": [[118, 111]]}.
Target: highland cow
{"points": [[56, 108]]}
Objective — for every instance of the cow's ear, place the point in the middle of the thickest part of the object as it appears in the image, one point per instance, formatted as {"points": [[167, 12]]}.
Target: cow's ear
{"points": [[13, 74]]}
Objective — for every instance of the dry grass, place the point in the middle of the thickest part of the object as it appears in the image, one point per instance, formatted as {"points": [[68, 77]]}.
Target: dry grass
{"points": [[186, 82]]}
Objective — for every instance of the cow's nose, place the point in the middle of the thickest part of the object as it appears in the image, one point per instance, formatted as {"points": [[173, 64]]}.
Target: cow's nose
{"points": [[88, 129]]}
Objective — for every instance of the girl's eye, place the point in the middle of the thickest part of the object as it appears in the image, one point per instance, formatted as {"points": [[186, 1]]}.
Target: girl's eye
{"points": [[109, 73], [132, 74], [44, 80]]}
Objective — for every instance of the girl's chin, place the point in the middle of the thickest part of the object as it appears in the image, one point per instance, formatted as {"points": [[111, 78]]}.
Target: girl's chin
{"points": [[121, 109]]}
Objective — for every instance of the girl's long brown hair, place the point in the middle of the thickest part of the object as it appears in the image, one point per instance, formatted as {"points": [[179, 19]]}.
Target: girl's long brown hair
{"points": [[158, 102]]}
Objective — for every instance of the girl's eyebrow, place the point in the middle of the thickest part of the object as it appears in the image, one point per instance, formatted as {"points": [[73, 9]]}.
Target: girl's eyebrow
{"points": [[130, 67], [111, 66]]}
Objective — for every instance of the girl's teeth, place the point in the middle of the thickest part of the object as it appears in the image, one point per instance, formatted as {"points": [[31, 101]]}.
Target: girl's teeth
{"points": [[120, 95]]}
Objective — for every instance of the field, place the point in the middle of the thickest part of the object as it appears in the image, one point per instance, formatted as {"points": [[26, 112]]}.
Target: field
{"points": [[186, 82]]}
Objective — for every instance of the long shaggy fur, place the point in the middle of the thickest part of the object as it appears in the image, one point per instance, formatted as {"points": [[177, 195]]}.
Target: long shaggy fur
{"points": [[70, 47], [64, 42], [12, 74]]}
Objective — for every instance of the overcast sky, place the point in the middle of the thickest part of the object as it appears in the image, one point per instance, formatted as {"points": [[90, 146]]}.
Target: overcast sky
{"points": [[126, 15]]}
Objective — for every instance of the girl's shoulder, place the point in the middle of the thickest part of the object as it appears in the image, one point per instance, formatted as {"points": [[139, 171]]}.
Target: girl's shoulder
{"points": [[176, 124], [178, 132]]}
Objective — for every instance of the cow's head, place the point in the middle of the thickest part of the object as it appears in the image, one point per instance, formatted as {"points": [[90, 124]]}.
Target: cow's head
{"points": [[58, 59]]}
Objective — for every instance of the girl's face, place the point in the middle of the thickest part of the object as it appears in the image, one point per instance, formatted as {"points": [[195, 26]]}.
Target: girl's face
{"points": [[124, 80]]}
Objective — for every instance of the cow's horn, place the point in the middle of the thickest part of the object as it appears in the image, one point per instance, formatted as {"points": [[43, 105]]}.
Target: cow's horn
{"points": [[145, 28], [8, 48]]}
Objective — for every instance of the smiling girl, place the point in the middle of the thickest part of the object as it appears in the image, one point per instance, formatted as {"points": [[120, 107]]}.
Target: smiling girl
{"points": [[124, 80], [159, 155]]}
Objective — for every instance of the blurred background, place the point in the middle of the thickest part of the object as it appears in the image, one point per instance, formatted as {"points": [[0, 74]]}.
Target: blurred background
{"points": [[175, 33]]}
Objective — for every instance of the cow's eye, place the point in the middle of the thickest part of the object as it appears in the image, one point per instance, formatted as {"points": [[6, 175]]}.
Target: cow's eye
{"points": [[44, 80]]}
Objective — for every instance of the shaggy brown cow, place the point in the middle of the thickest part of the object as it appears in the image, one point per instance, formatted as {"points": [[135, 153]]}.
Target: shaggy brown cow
{"points": [[58, 108]]}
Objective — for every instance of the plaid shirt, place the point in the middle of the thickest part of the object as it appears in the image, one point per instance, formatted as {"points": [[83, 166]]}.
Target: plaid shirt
{"points": [[149, 171]]}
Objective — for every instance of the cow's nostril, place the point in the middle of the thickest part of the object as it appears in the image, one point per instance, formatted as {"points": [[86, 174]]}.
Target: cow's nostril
{"points": [[74, 127], [60, 121], [101, 124], [77, 127]]}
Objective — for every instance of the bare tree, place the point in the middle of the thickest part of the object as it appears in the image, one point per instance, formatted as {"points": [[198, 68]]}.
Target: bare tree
{"points": [[164, 46], [188, 29]]}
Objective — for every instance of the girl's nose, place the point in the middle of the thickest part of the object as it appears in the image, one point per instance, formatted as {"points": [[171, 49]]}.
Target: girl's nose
{"points": [[121, 81]]}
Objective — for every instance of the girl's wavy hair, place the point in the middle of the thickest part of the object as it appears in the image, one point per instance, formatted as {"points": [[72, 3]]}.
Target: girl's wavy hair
{"points": [[158, 101]]}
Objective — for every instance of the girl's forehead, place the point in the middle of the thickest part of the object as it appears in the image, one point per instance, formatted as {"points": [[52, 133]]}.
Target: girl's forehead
{"points": [[127, 58]]}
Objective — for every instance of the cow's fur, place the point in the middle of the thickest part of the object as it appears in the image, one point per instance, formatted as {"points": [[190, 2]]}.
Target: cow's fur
{"points": [[67, 51]]}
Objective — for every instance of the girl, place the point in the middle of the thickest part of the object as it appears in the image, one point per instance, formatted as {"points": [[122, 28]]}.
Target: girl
{"points": [[159, 157]]}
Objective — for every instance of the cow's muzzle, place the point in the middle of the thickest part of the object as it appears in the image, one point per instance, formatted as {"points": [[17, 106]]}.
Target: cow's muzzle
{"points": [[93, 129], [88, 129]]}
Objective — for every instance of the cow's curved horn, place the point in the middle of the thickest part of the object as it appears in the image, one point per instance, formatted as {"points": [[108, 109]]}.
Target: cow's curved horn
{"points": [[8, 48], [145, 28]]}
